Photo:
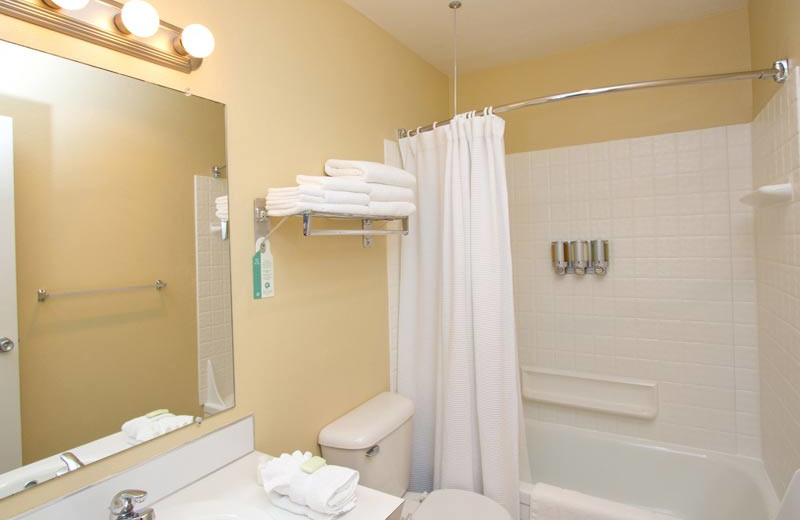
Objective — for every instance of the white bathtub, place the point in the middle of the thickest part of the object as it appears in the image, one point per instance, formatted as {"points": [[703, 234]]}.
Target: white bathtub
{"points": [[686, 483]]}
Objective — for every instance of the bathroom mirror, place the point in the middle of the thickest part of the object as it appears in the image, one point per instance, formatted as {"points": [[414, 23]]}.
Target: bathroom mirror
{"points": [[114, 264]]}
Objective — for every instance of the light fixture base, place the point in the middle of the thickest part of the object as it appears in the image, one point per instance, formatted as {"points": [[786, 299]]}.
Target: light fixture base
{"points": [[455, 4], [120, 25]]}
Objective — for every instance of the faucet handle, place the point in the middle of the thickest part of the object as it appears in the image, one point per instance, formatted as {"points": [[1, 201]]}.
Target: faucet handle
{"points": [[122, 503]]}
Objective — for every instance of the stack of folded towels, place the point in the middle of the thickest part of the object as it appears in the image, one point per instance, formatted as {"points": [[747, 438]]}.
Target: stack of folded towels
{"points": [[305, 485], [350, 188], [222, 208], [152, 425]]}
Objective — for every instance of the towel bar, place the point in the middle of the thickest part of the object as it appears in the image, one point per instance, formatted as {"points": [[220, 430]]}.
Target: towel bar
{"points": [[43, 295]]}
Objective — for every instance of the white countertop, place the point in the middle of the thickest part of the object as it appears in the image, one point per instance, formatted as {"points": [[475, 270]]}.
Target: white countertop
{"points": [[236, 484]]}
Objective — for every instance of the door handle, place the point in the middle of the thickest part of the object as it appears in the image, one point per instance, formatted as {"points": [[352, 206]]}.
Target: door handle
{"points": [[6, 345]]}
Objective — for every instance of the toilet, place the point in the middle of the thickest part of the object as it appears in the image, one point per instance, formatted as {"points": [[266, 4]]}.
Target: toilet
{"points": [[375, 440]]}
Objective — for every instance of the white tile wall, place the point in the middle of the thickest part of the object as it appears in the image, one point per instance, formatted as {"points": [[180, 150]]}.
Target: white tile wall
{"points": [[678, 305], [214, 329], [391, 156], [776, 159]]}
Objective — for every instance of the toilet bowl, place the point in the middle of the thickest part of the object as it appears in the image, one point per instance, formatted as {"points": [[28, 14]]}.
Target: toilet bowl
{"points": [[375, 440]]}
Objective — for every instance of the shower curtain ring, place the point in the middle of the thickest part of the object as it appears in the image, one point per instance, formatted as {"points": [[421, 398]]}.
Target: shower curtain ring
{"points": [[418, 129], [485, 111], [435, 123]]}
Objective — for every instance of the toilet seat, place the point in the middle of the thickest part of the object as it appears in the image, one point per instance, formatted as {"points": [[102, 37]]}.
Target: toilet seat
{"points": [[455, 504]]}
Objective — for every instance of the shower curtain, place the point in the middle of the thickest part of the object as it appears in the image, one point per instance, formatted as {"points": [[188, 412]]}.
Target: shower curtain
{"points": [[457, 356]]}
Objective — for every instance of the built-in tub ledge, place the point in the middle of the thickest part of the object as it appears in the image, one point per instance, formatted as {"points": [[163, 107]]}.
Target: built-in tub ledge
{"points": [[768, 195], [607, 394]]}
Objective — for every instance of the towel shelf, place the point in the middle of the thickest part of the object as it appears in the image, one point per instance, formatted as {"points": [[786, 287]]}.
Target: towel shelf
{"points": [[262, 224]]}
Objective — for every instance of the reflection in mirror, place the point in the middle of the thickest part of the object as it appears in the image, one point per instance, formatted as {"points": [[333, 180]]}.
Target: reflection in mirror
{"points": [[114, 264]]}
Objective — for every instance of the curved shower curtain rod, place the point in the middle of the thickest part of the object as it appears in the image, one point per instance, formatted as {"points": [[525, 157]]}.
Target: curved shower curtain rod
{"points": [[779, 72]]}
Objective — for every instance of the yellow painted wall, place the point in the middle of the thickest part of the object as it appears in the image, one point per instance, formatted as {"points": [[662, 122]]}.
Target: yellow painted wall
{"points": [[775, 34], [303, 80], [104, 197], [710, 45]]}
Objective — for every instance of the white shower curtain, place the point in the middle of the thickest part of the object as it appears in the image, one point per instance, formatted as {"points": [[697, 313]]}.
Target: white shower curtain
{"points": [[457, 357]]}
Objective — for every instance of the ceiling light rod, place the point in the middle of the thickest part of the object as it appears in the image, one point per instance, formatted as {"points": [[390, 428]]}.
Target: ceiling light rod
{"points": [[455, 5], [779, 73]]}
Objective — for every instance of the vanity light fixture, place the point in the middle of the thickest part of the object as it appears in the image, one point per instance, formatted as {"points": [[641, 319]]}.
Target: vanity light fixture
{"points": [[138, 18], [69, 5], [132, 28], [195, 40]]}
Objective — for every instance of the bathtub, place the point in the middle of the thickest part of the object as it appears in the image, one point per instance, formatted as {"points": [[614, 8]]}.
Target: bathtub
{"points": [[686, 483]]}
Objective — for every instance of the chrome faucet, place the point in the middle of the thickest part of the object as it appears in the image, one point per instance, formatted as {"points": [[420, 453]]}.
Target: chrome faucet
{"points": [[71, 461], [122, 506]]}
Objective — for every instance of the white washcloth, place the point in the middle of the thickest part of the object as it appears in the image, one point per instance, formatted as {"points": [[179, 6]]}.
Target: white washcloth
{"points": [[391, 209], [386, 193], [276, 474], [370, 172], [554, 503], [144, 428], [306, 189], [355, 184], [336, 209], [221, 200]]}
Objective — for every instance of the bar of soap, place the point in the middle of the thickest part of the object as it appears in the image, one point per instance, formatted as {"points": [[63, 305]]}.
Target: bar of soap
{"points": [[156, 413], [313, 464]]}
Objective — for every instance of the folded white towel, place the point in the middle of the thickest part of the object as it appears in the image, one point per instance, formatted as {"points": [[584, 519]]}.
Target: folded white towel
{"points": [[391, 209], [330, 197], [144, 428], [328, 492], [286, 504], [554, 503], [221, 200], [307, 189], [354, 184], [386, 193], [370, 172], [283, 202], [336, 209]]}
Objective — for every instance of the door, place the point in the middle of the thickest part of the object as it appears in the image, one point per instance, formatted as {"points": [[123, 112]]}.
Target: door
{"points": [[10, 434]]}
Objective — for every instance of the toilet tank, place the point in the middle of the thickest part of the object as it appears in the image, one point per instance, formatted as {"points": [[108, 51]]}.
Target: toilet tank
{"points": [[375, 440]]}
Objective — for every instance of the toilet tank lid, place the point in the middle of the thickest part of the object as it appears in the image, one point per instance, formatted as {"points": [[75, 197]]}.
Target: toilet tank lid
{"points": [[368, 424]]}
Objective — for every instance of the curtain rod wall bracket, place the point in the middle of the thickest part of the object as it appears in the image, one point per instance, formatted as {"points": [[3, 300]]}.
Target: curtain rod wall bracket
{"points": [[782, 66]]}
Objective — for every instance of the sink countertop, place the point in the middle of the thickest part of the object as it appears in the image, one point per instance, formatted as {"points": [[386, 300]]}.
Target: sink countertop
{"points": [[236, 484]]}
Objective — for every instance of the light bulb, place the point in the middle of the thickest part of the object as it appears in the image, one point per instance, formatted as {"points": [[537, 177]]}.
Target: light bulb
{"points": [[69, 5], [196, 40], [138, 18]]}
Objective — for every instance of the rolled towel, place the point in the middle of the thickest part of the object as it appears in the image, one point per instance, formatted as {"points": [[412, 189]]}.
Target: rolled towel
{"points": [[354, 184], [553, 503], [336, 209], [221, 200], [386, 193], [391, 209], [370, 172]]}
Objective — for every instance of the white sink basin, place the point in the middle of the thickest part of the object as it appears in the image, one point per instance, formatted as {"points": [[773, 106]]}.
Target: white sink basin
{"points": [[211, 510]]}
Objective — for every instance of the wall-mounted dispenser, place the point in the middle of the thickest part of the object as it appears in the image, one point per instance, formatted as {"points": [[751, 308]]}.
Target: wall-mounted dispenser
{"points": [[600, 256], [560, 254], [580, 257]]}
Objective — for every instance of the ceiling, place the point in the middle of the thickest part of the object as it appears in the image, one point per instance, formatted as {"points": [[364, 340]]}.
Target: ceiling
{"points": [[499, 32]]}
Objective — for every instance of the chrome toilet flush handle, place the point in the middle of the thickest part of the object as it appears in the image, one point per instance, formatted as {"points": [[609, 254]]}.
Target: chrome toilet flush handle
{"points": [[122, 506], [373, 451]]}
